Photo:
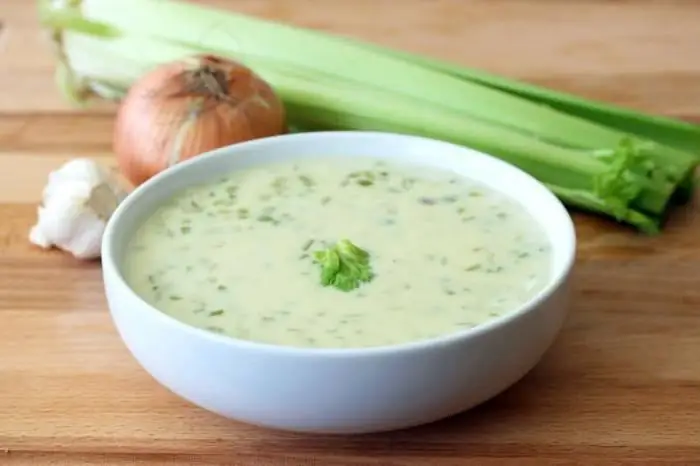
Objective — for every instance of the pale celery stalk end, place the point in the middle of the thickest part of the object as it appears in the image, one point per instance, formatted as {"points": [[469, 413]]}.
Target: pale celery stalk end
{"points": [[60, 16]]}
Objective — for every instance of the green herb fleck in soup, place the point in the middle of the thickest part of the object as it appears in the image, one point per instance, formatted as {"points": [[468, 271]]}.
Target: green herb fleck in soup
{"points": [[338, 253]]}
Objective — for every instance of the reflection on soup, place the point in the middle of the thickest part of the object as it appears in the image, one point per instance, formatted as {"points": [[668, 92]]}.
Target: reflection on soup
{"points": [[237, 256]]}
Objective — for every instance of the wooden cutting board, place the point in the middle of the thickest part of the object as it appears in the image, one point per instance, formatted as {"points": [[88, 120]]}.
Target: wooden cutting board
{"points": [[621, 386]]}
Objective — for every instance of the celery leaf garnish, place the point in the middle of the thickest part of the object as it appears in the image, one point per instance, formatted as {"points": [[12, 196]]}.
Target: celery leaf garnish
{"points": [[344, 266]]}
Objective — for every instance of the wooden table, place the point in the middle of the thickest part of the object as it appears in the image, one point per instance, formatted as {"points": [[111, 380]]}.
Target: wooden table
{"points": [[621, 386]]}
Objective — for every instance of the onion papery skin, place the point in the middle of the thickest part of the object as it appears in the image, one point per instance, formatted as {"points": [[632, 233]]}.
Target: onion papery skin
{"points": [[184, 108]]}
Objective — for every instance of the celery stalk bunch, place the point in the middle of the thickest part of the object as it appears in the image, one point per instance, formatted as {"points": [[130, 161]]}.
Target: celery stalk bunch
{"points": [[607, 160]]}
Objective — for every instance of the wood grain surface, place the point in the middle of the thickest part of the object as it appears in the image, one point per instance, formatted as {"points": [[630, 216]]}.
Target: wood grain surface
{"points": [[620, 387]]}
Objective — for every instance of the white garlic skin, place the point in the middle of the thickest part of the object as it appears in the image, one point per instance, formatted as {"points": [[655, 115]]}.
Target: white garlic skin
{"points": [[78, 200]]}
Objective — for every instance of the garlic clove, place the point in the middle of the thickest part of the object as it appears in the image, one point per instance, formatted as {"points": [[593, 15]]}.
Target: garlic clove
{"points": [[78, 200]]}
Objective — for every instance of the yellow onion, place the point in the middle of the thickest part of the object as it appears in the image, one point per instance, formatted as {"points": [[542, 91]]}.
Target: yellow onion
{"points": [[184, 108]]}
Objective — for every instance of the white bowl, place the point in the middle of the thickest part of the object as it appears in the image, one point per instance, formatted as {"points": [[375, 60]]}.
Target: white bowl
{"points": [[340, 390]]}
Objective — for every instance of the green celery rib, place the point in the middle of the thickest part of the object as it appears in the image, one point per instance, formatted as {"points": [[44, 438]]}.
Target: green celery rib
{"points": [[568, 171], [668, 131]]}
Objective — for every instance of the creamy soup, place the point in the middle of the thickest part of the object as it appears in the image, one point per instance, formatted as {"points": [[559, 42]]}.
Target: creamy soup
{"points": [[238, 256]]}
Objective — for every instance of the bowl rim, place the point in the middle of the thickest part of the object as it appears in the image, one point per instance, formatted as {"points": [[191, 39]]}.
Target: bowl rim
{"points": [[555, 282]]}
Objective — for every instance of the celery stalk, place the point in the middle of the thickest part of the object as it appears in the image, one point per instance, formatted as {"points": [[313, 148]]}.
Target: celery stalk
{"points": [[589, 165], [675, 133]]}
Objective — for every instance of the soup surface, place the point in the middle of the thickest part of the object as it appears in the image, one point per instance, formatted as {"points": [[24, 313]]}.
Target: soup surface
{"points": [[236, 256]]}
